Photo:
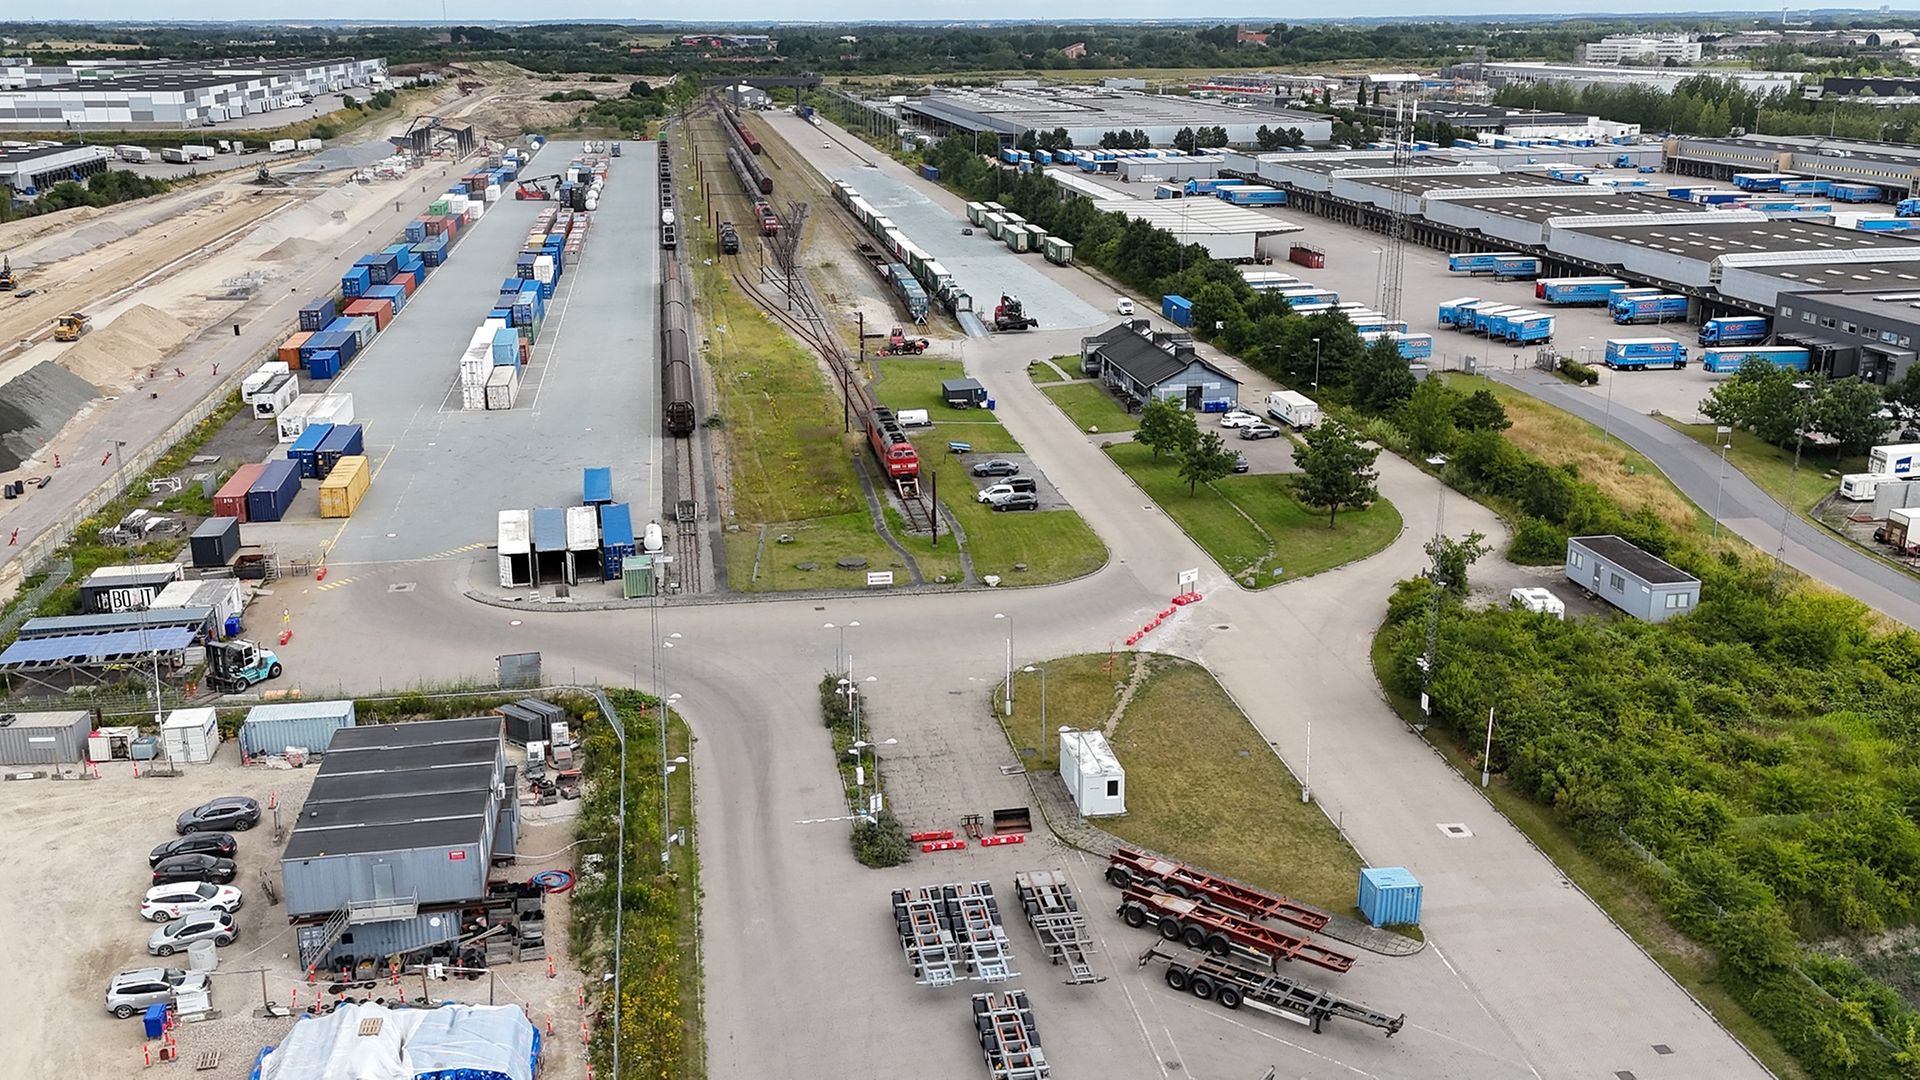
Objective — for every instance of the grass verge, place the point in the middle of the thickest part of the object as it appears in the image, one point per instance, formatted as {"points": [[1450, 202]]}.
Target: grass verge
{"points": [[1252, 525], [1091, 408], [1615, 889], [659, 1011], [1040, 372], [1201, 782], [1771, 468], [817, 542]]}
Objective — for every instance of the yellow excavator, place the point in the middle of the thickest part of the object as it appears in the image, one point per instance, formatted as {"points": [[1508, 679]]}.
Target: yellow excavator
{"points": [[8, 282], [69, 327]]}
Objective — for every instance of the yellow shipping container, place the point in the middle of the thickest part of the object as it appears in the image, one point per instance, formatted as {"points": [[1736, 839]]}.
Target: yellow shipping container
{"points": [[341, 491]]}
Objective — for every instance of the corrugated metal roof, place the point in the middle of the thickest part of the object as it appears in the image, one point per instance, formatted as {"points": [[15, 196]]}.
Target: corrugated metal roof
{"points": [[96, 648], [46, 626]]}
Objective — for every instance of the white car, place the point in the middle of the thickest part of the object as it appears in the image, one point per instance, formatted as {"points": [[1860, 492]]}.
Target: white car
{"points": [[165, 903], [1238, 418]]}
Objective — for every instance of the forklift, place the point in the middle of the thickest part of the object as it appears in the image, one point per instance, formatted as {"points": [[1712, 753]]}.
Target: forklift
{"points": [[233, 666], [8, 282], [70, 326]]}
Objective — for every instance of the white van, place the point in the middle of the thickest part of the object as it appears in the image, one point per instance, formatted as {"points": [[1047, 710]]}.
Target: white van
{"points": [[1123, 305]]}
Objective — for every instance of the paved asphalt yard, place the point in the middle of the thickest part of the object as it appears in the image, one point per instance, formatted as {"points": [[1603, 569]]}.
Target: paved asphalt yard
{"points": [[1522, 977], [589, 395]]}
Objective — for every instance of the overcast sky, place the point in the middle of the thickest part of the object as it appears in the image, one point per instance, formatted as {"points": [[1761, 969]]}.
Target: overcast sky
{"points": [[771, 10]]}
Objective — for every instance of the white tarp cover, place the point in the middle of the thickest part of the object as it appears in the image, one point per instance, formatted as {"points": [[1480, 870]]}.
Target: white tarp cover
{"points": [[474, 1042]]}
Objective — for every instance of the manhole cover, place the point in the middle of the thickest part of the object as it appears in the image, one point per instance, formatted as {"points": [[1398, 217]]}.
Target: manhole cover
{"points": [[402, 586], [1662, 1049], [1455, 829], [1222, 626]]}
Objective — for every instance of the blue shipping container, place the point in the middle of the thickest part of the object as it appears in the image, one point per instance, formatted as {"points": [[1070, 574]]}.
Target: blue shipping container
{"points": [[506, 347], [356, 281], [1722, 361], [381, 267], [393, 294], [303, 450], [416, 231], [1390, 896], [596, 486], [343, 441], [616, 539], [269, 497], [324, 364], [432, 250], [549, 530], [1177, 310], [317, 315]]}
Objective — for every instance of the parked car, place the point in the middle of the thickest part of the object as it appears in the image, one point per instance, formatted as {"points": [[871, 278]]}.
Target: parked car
{"points": [[130, 992], [164, 903], [1261, 430], [1019, 500], [214, 926], [1238, 418], [182, 868], [996, 467], [1013, 485], [1241, 464], [225, 812], [219, 844]]}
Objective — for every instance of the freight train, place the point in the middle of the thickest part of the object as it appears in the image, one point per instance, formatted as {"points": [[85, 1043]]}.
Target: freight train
{"points": [[740, 132], [769, 221], [669, 230], [676, 357], [748, 170], [893, 449], [938, 283]]}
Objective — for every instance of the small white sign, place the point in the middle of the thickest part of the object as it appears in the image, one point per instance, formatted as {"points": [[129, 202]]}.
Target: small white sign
{"points": [[1190, 577], [879, 579]]}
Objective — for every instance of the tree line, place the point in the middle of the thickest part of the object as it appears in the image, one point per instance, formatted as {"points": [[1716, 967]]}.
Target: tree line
{"points": [[1710, 105], [101, 189]]}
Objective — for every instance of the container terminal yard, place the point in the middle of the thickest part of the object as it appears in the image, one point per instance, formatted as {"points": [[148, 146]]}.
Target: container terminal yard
{"points": [[478, 430]]}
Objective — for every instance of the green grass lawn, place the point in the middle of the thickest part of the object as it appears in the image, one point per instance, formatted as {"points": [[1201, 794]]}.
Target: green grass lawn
{"points": [[1091, 408], [1202, 784], [906, 383], [1039, 372], [1771, 467], [1284, 534], [1616, 891], [820, 541]]}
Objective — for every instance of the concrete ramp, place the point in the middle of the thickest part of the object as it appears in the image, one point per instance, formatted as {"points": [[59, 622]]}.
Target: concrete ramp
{"points": [[970, 323], [34, 406]]}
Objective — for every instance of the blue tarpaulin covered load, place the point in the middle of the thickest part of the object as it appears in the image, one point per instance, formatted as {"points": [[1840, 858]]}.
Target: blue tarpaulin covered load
{"points": [[373, 1042]]}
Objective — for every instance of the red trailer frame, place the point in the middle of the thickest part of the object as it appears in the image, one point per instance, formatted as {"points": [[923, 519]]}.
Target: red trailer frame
{"points": [[1127, 867], [1221, 932]]}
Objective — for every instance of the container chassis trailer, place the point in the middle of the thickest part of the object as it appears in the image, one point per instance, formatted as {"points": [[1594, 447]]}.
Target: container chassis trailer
{"points": [[951, 932], [1009, 1039], [1127, 867], [1218, 931], [1234, 984], [1053, 911]]}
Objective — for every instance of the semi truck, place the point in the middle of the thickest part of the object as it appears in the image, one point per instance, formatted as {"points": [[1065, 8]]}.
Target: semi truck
{"points": [[1627, 354], [1734, 330], [1856, 193], [1760, 181], [1724, 361], [1410, 346], [1452, 310], [1516, 268], [1894, 459], [1523, 327], [1907, 208], [1480, 262], [1576, 290], [1659, 308], [1483, 317]]}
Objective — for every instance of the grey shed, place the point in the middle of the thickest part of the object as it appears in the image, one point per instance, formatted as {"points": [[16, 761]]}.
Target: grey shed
{"points": [[1642, 585], [44, 738]]}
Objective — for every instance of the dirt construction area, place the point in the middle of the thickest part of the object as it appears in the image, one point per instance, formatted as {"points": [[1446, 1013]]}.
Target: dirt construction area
{"points": [[77, 860]]}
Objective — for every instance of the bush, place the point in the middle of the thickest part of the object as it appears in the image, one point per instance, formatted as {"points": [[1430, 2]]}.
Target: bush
{"points": [[881, 841], [1537, 543], [572, 95], [1579, 372]]}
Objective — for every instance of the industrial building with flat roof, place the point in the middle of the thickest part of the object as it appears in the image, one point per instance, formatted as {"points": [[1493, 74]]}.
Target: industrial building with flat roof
{"points": [[30, 169], [168, 94], [1527, 72], [1087, 113], [1892, 167], [1866, 332], [1520, 123]]}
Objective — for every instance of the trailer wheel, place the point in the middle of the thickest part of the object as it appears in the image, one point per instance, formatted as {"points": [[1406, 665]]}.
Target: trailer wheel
{"points": [[1180, 891], [1218, 945], [1170, 929], [1201, 986], [1194, 936], [1176, 976], [1133, 915], [1118, 877], [1228, 996]]}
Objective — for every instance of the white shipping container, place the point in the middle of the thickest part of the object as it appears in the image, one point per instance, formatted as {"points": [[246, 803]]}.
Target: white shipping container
{"points": [[280, 146], [1293, 408], [503, 387], [332, 409], [267, 372], [223, 595], [190, 735], [514, 544], [583, 528], [493, 192], [134, 153], [272, 399], [308, 144], [473, 396], [293, 418], [199, 153], [174, 157]]}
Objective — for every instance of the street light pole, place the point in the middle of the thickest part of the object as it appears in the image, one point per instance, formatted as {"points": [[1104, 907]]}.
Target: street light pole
{"points": [[1316, 363], [1723, 436], [1009, 618], [1486, 758], [1606, 426], [1799, 441], [1306, 774], [1040, 743]]}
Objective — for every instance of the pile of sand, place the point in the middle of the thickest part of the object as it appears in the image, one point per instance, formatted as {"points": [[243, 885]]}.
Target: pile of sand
{"points": [[114, 355], [34, 407]]}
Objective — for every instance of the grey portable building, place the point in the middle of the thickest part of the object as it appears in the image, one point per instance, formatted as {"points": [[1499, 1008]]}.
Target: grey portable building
{"points": [[1642, 585], [215, 542], [127, 588], [963, 393], [44, 738], [270, 729]]}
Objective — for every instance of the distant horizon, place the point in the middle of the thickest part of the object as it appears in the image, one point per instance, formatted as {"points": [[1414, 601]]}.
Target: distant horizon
{"points": [[873, 12]]}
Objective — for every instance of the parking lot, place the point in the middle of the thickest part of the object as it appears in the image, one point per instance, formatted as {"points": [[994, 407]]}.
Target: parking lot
{"points": [[1049, 495], [77, 860]]}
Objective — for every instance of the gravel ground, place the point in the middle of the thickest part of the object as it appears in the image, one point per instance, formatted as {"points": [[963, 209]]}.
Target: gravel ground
{"points": [[76, 855]]}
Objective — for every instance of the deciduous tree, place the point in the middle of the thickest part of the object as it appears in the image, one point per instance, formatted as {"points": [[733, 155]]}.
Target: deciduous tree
{"points": [[1336, 470]]}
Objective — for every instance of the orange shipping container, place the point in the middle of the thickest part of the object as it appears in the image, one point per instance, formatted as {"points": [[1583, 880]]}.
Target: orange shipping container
{"points": [[290, 349], [405, 281], [381, 310]]}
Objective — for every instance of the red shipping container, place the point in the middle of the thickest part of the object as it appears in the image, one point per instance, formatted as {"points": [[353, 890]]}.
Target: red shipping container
{"points": [[406, 282], [290, 349], [381, 310], [436, 226], [526, 351], [231, 499]]}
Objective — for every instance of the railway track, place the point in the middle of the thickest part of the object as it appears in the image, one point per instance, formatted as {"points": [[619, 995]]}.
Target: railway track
{"points": [[685, 507]]}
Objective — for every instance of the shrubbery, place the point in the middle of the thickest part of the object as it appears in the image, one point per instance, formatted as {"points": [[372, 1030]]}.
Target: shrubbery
{"points": [[1583, 374]]}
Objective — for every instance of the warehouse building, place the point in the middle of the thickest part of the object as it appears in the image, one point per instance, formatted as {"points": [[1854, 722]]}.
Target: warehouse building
{"points": [[1642, 585], [170, 94], [397, 837], [1529, 72], [1657, 49], [1892, 167], [1087, 113], [1518, 123], [1869, 333], [27, 170]]}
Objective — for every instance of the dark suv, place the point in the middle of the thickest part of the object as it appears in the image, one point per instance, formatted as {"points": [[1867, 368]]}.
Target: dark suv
{"points": [[225, 812], [1019, 500]]}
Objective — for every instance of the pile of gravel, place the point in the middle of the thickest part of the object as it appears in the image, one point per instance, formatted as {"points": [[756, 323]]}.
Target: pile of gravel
{"points": [[35, 406]]}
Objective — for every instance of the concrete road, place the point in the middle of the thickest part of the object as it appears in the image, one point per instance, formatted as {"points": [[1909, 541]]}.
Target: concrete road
{"points": [[1524, 976]]}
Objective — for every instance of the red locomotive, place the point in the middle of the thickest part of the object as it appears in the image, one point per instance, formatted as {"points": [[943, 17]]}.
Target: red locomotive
{"points": [[891, 445]]}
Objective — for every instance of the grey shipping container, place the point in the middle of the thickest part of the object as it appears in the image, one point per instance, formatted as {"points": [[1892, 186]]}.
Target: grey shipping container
{"points": [[270, 729], [44, 738], [216, 542], [523, 725], [377, 941]]}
